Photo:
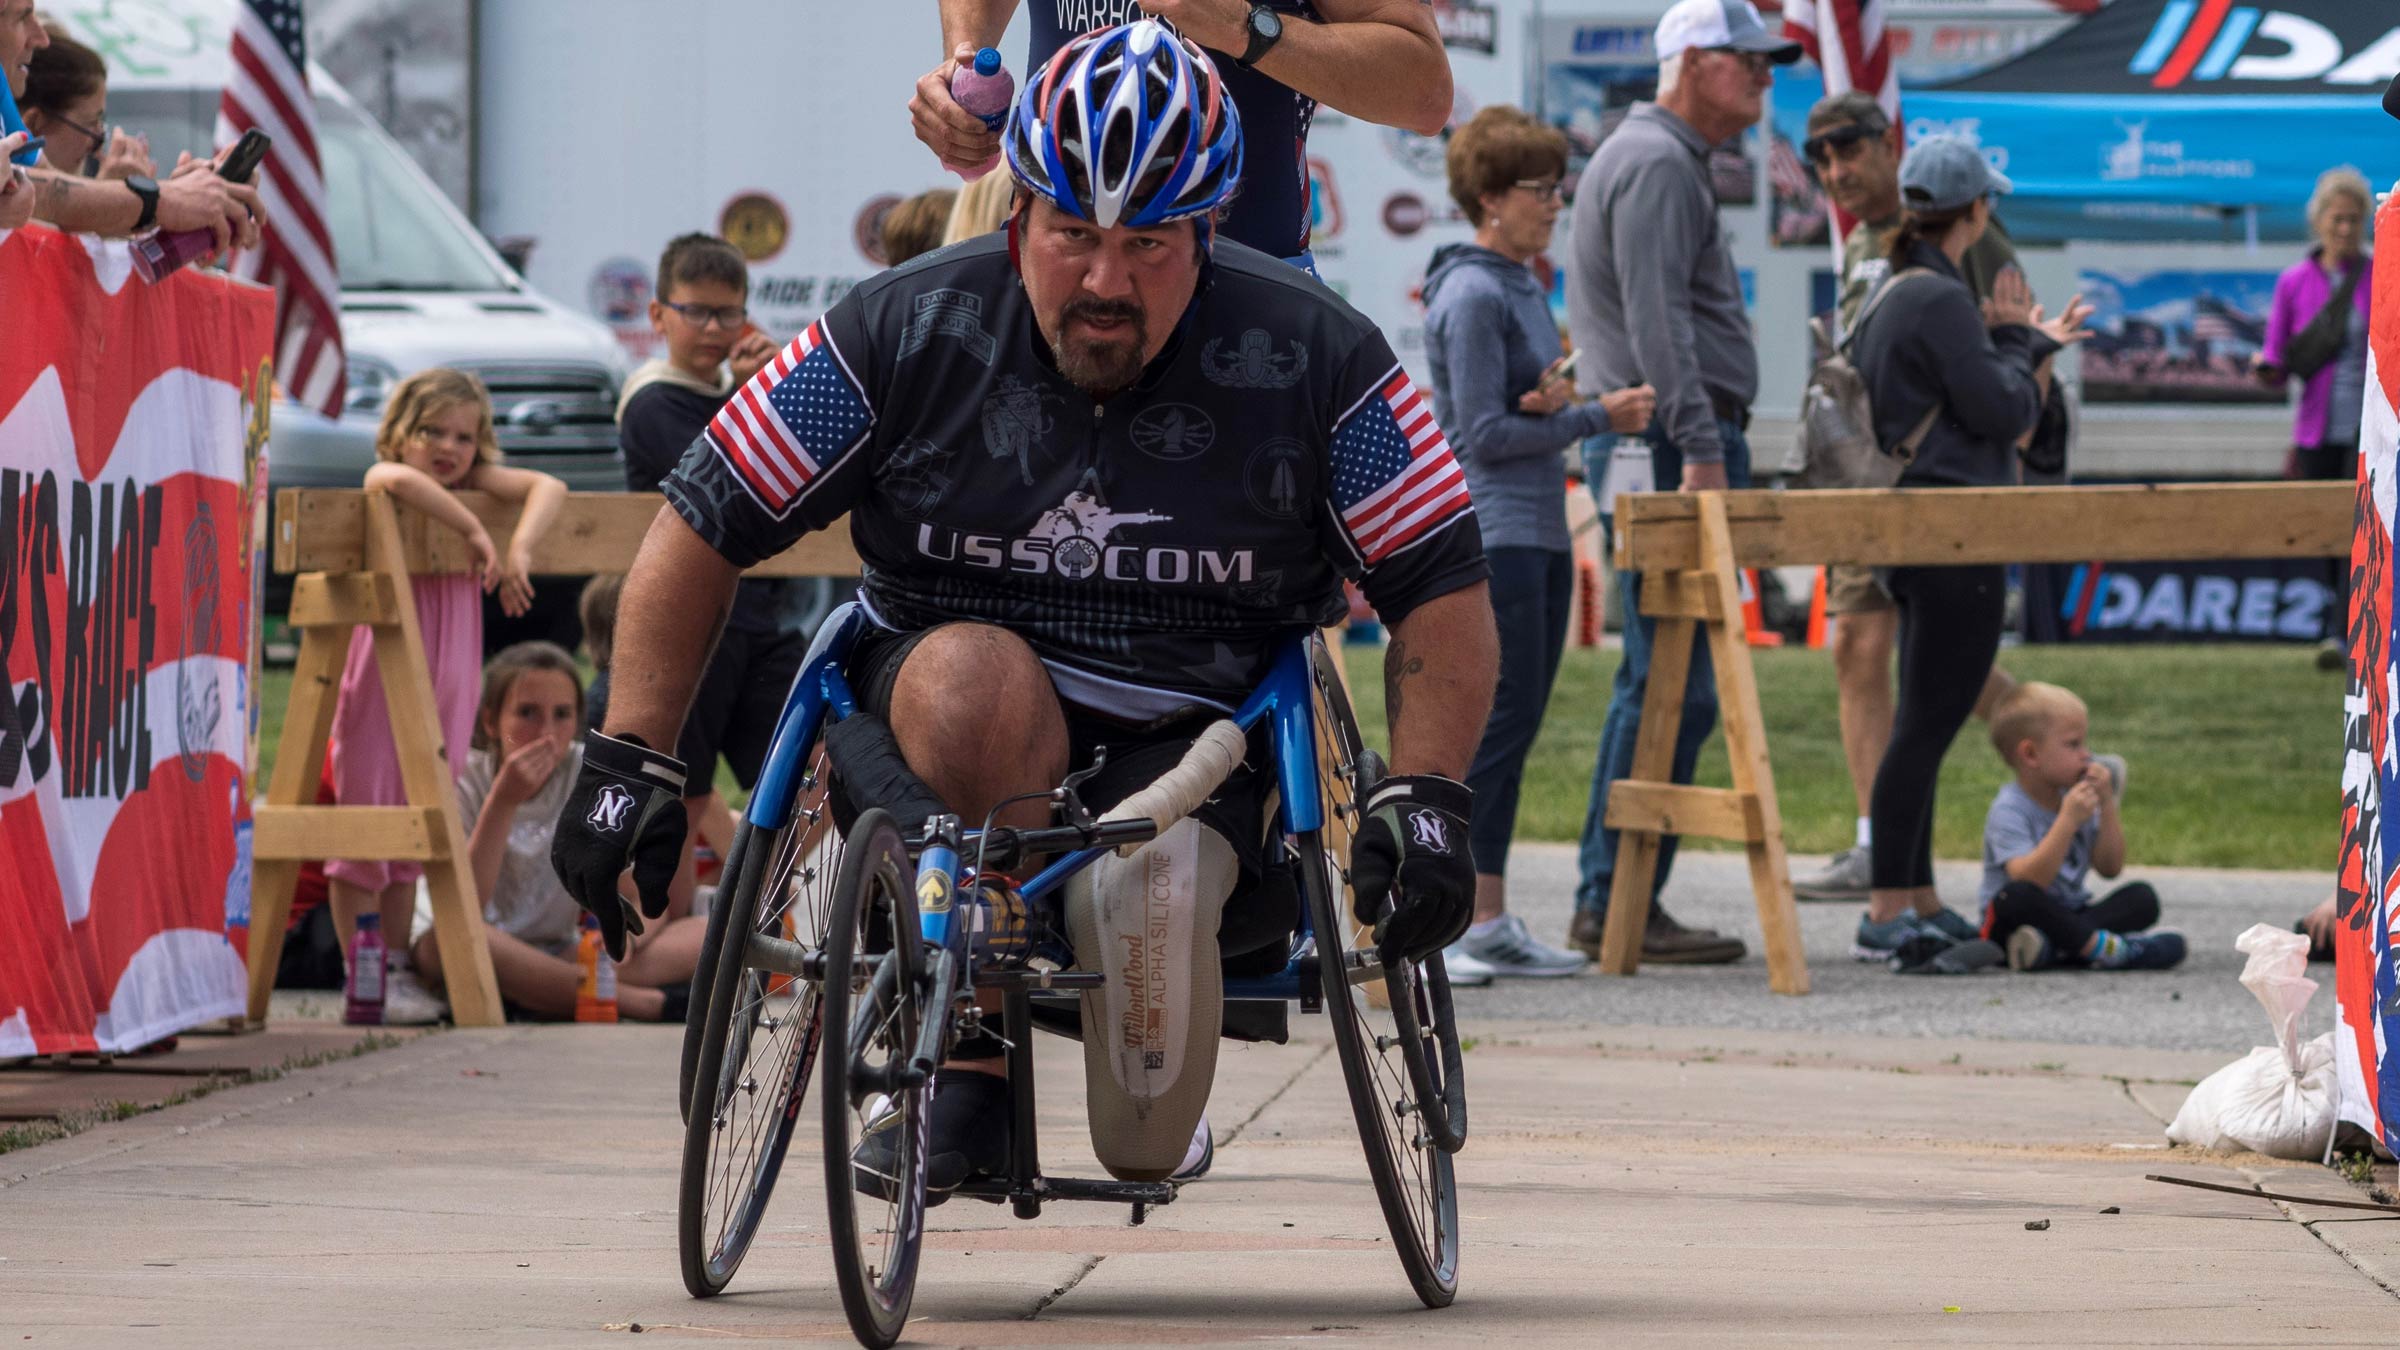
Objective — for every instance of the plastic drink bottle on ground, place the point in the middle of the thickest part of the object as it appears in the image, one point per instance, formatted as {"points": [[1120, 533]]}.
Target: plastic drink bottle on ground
{"points": [[596, 996], [362, 999], [985, 88]]}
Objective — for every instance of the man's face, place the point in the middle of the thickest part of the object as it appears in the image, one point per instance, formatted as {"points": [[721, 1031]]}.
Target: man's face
{"points": [[1729, 84], [21, 36], [1861, 175], [1106, 300]]}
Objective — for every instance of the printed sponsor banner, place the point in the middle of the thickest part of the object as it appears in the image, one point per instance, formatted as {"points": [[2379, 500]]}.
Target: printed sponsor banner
{"points": [[2234, 600], [2366, 978], [128, 419], [2176, 337]]}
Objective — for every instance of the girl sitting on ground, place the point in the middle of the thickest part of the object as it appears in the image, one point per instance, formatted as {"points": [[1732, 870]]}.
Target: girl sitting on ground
{"points": [[525, 758]]}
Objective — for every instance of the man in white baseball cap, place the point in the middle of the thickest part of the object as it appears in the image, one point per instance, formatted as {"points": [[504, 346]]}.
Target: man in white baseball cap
{"points": [[1653, 298]]}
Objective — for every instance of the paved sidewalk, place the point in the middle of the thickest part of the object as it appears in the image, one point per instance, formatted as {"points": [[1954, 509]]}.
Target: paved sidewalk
{"points": [[1646, 1185]]}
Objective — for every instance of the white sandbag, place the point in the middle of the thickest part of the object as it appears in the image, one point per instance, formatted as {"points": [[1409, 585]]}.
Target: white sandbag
{"points": [[2278, 1099]]}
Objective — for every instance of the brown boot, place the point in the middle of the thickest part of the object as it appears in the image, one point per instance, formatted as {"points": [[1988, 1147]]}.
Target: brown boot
{"points": [[1664, 941]]}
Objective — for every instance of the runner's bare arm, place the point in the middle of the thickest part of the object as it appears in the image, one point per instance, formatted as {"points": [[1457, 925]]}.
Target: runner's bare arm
{"points": [[1438, 675], [673, 606], [957, 137], [1380, 60], [977, 23]]}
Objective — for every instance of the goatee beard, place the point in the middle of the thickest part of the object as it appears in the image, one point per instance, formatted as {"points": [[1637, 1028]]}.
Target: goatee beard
{"points": [[1096, 366]]}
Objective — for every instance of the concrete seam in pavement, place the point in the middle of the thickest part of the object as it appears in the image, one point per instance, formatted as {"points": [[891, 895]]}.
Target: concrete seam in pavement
{"points": [[1042, 1304], [2331, 1239], [1277, 1095], [2125, 1085]]}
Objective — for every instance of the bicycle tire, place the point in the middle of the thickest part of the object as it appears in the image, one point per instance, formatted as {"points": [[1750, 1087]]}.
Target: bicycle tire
{"points": [[734, 1150], [871, 1023], [1415, 1181]]}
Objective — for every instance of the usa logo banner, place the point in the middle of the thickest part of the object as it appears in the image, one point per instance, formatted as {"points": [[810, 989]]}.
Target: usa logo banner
{"points": [[2366, 992], [130, 416]]}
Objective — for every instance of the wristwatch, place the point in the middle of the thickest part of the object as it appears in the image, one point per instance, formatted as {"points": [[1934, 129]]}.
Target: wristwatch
{"points": [[147, 189], [1265, 28]]}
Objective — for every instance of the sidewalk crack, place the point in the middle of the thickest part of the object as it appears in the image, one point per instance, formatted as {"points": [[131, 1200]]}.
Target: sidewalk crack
{"points": [[1090, 1264], [1277, 1095]]}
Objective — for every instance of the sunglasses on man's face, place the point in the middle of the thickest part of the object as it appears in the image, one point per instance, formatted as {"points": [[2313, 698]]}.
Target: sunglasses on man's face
{"points": [[1818, 149]]}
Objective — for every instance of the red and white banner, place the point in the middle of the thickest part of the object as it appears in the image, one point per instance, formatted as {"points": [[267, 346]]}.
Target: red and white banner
{"points": [[129, 416], [2367, 882]]}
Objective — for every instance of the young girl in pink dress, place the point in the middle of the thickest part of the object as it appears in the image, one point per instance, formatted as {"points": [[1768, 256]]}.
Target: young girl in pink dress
{"points": [[436, 439]]}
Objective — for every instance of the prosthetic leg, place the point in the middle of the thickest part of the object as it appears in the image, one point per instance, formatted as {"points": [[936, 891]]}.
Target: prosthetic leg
{"points": [[1150, 1034]]}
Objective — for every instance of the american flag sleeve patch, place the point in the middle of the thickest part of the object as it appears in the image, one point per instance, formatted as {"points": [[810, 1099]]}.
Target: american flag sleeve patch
{"points": [[798, 416], [1394, 479]]}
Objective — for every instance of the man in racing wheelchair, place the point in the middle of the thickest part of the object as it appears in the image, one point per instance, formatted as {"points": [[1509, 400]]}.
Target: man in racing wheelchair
{"points": [[1085, 519]]}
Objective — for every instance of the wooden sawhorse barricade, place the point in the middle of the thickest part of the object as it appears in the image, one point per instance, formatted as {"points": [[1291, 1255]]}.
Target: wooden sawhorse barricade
{"points": [[355, 551], [1689, 549]]}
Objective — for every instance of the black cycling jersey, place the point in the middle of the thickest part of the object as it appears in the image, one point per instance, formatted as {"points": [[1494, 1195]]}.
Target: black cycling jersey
{"points": [[1269, 211], [1150, 548]]}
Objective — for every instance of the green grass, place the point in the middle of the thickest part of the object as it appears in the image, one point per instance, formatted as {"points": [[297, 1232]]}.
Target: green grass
{"points": [[2234, 753]]}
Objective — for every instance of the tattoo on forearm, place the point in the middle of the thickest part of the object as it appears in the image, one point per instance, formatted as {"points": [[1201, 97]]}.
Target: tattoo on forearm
{"points": [[1398, 665], [54, 191]]}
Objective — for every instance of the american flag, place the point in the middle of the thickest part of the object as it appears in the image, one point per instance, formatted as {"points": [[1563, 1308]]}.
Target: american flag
{"points": [[267, 88], [1847, 40], [1394, 478], [797, 415]]}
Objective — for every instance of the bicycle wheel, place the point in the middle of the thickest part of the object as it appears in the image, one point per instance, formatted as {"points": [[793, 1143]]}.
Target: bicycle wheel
{"points": [[756, 1049], [874, 1008], [1382, 1043], [810, 811]]}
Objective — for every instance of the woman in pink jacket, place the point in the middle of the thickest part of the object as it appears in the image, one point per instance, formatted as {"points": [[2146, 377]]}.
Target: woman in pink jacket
{"points": [[2325, 348]]}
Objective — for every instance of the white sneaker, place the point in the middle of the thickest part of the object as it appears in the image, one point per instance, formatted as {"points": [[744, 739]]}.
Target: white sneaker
{"points": [[1465, 970], [1198, 1158], [1507, 948], [406, 1000]]}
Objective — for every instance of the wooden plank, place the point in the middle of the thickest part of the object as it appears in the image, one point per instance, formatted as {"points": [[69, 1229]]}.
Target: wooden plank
{"points": [[403, 833], [1931, 526], [1681, 595], [1746, 749], [341, 600], [426, 772], [299, 761], [323, 530], [1675, 808], [1653, 763]]}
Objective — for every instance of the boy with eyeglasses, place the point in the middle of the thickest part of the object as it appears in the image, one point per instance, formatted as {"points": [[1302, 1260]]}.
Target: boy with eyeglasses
{"points": [[701, 310]]}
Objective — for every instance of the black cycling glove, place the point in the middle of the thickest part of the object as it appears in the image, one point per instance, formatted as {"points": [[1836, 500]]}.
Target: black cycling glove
{"points": [[626, 810], [1411, 847]]}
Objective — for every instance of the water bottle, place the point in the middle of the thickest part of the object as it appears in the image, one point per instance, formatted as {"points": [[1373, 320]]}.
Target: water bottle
{"points": [[999, 922], [362, 998], [596, 997], [985, 88]]}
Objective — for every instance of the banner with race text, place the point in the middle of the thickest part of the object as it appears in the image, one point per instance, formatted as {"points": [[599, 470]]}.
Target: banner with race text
{"points": [[2367, 884], [130, 418]]}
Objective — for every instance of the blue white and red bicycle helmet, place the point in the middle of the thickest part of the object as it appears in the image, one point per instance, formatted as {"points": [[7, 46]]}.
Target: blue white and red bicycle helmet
{"points": [[1127, 126]]}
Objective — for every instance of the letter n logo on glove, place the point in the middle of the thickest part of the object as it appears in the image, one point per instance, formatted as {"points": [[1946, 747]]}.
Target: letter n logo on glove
{"points": [[1428, 831], [609, 812]]}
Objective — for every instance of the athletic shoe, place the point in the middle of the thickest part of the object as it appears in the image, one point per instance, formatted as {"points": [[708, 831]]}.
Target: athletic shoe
{"points": [[2137, 951], [1507, 949], [1197, 1159], [1878, 941], [1930, 953], [1950, 924], [406, 1000], [2115, 764], [1845, 876], [968, 1138], [2028, 950], [1464, 969]]}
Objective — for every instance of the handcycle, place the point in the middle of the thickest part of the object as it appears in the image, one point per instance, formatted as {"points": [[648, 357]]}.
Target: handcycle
{"points": [[856, 955]]}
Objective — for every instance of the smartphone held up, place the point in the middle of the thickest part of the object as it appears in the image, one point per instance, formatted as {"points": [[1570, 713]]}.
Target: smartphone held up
{"points": [[162, 254]]}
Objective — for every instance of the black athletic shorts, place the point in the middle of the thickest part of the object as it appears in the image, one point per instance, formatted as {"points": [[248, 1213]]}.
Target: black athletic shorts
{"points": [[1265, 907]]}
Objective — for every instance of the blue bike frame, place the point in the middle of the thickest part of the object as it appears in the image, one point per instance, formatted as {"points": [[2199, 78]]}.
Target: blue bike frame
{"points": [[1284, 699]]}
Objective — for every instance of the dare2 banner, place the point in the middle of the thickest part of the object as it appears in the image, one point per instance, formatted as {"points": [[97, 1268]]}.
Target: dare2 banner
{"points": [[2367, 879], [130, 415]]}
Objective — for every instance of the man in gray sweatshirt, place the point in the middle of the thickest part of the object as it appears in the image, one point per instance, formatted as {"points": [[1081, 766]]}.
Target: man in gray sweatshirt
{"points": [[1652, 298]]}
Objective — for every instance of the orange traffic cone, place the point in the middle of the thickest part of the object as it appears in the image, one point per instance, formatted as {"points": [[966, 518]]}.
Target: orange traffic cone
{"points": [[1754, 618], [1816, 612]]}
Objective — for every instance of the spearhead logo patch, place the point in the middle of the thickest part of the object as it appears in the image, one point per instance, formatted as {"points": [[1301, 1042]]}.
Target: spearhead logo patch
{"points": [[612, 809]]}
